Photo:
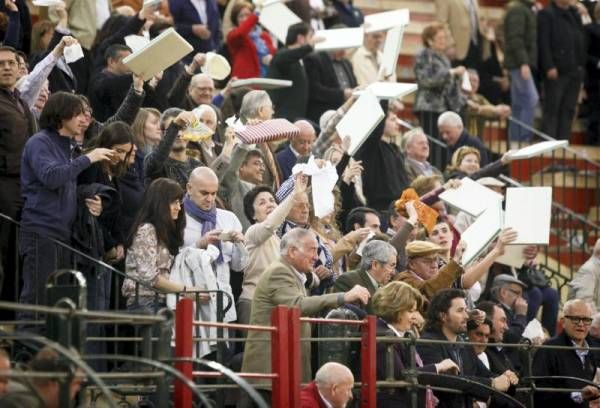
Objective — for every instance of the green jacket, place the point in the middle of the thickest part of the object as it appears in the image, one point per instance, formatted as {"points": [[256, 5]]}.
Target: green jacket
{"points": [[520, 33], [348, 280]]}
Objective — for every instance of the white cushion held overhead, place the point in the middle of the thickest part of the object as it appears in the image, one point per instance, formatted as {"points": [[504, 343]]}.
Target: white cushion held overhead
{"points": [[391, 51], [339, 39], [277, 18], [529, 211], [386, 20]]}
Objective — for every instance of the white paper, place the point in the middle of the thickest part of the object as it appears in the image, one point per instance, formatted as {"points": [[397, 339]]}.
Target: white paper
{"points": [[159, 54], [323, 182], [481, 233], [528, 211], [471, 197], [466, 82], [389, 90], [136, 42], [533, 329], [391, 51], [386, 20], [513, 256], [277, 18], [538, 149], [48, 3], [262, 83], [73, 53], [339, 39], [364, 242]]}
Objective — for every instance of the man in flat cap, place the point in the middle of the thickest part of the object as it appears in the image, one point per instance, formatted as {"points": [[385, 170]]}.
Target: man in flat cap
{"points": [[422, 268]]}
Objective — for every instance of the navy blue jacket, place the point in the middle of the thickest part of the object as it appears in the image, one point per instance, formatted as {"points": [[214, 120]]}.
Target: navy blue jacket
{"points": [[49, 184], [466, 139], [286, 159], [185, 15]]}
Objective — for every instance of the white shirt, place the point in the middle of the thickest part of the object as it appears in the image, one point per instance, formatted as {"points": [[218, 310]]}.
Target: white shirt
{"points": [[200, 6], [102, 12]]}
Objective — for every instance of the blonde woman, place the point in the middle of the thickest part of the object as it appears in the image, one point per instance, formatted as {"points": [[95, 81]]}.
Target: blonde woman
{"points": [[465, 163]]}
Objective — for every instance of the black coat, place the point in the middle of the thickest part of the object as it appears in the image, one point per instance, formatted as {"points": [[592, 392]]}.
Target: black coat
{"points": [[549, 362], [466, 139]]}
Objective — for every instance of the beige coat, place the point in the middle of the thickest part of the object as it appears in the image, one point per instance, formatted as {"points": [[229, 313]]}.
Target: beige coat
{"points": [[279, 285], [455, 15]]}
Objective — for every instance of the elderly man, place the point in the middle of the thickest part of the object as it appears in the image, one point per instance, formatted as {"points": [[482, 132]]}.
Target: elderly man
{"points": [[447, 317], [300, 146], [582, 363], [454, 134], [282, 283], [377, 266], [207, 225], [586, 282], [423, 270], [332, 387], [499, 358], [366, 60], [508, 292], [416, 151]]}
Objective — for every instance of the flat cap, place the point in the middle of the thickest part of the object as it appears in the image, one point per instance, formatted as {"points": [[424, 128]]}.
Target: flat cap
{"points": [[417, 249], [503, 279]]}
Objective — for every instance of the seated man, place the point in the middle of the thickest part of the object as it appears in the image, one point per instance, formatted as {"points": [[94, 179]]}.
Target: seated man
{"points": [[377, 266], [582, 363], [332, 387], [498, 357], [366, 60], [416, 150], [452, 131], [300, 146]]}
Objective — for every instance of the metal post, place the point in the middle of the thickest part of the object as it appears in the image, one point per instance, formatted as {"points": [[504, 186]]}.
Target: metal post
{"points": [[221, 346], [368, 357], [280, 356], [184, 346], [294, 352]]}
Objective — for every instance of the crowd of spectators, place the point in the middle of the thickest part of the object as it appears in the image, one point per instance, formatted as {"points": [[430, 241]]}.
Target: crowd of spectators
{"points": [[95, 157]]}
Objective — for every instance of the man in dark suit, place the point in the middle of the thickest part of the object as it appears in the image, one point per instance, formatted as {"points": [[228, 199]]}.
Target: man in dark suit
{"points": [[332, 387], [377, 265], [330, 82], [299, 147], [582, 363], [452, 131], [447, 320], [498, 357]]}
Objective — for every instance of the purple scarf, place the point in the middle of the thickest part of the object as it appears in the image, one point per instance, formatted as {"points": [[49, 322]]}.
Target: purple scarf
{"points": [[207, 218]]}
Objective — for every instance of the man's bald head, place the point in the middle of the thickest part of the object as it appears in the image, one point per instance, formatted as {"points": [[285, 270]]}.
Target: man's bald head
{"points": [[335, 382], [202, 88], [202, 187], [304, 142]]}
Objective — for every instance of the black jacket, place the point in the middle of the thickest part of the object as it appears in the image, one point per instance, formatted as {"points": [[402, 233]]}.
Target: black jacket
{"points": [[550, 362], [466, 139], [561, 40]]}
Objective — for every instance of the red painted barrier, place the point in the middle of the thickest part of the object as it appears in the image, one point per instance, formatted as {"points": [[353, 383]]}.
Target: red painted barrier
{"points": [[295, 357], [184, 347], [368, 358], [280, 361]]}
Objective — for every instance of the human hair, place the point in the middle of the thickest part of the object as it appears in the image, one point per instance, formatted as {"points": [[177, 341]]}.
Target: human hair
{"points": [[357, 216], [294, 31], [251, 104], [451, 119], [169, 113], [155, 210], [8, 48], [376, 250], [61, 106], [408, 137], [112, 52], [115, 133], [47, 360], [251, 154], [233, 102], [292, 238], [332, 373], [249, 200], [439, 304], [430, 31], [472, 324], [38, 30], [237, 8], [570, 303], [111, 26], [424, 184], [157, 28], [488, 306], [460, 154], [139, 124], [394, 298]]}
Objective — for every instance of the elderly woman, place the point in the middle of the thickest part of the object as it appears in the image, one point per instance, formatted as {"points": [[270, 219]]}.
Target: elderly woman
{"points": [[439, 83], [465, 163], [397, 308], [250, 48]]}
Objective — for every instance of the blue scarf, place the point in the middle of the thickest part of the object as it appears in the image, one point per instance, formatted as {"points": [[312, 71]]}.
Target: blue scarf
{"points": [[261, 49], [208, 219]]}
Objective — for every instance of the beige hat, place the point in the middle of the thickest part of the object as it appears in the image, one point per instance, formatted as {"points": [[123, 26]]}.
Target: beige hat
{"points": [[417, 249], [490, 182]]}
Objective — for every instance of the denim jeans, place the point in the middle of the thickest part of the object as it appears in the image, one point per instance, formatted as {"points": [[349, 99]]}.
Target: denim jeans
{"points": [[524, 98]]}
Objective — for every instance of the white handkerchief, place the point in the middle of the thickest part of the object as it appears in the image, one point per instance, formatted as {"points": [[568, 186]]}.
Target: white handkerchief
{"points": [[73, 53], [363, 243], [534, 329], [466, 82], [323, 181]]}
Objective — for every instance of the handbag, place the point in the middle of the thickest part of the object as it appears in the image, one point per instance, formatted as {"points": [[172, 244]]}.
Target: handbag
{"points": [[533, 276]]}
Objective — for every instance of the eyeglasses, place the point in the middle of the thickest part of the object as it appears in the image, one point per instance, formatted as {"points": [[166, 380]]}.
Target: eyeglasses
{"points": [[516, 292], [579, 319]]}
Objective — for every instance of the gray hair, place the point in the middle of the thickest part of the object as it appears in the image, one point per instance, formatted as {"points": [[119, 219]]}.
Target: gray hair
{"points": [[450, 118], [292, 238], [570, 303], [201, 109], [332, 373], [377, 250], [408, 137], [168, 114], [251, 104]]}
